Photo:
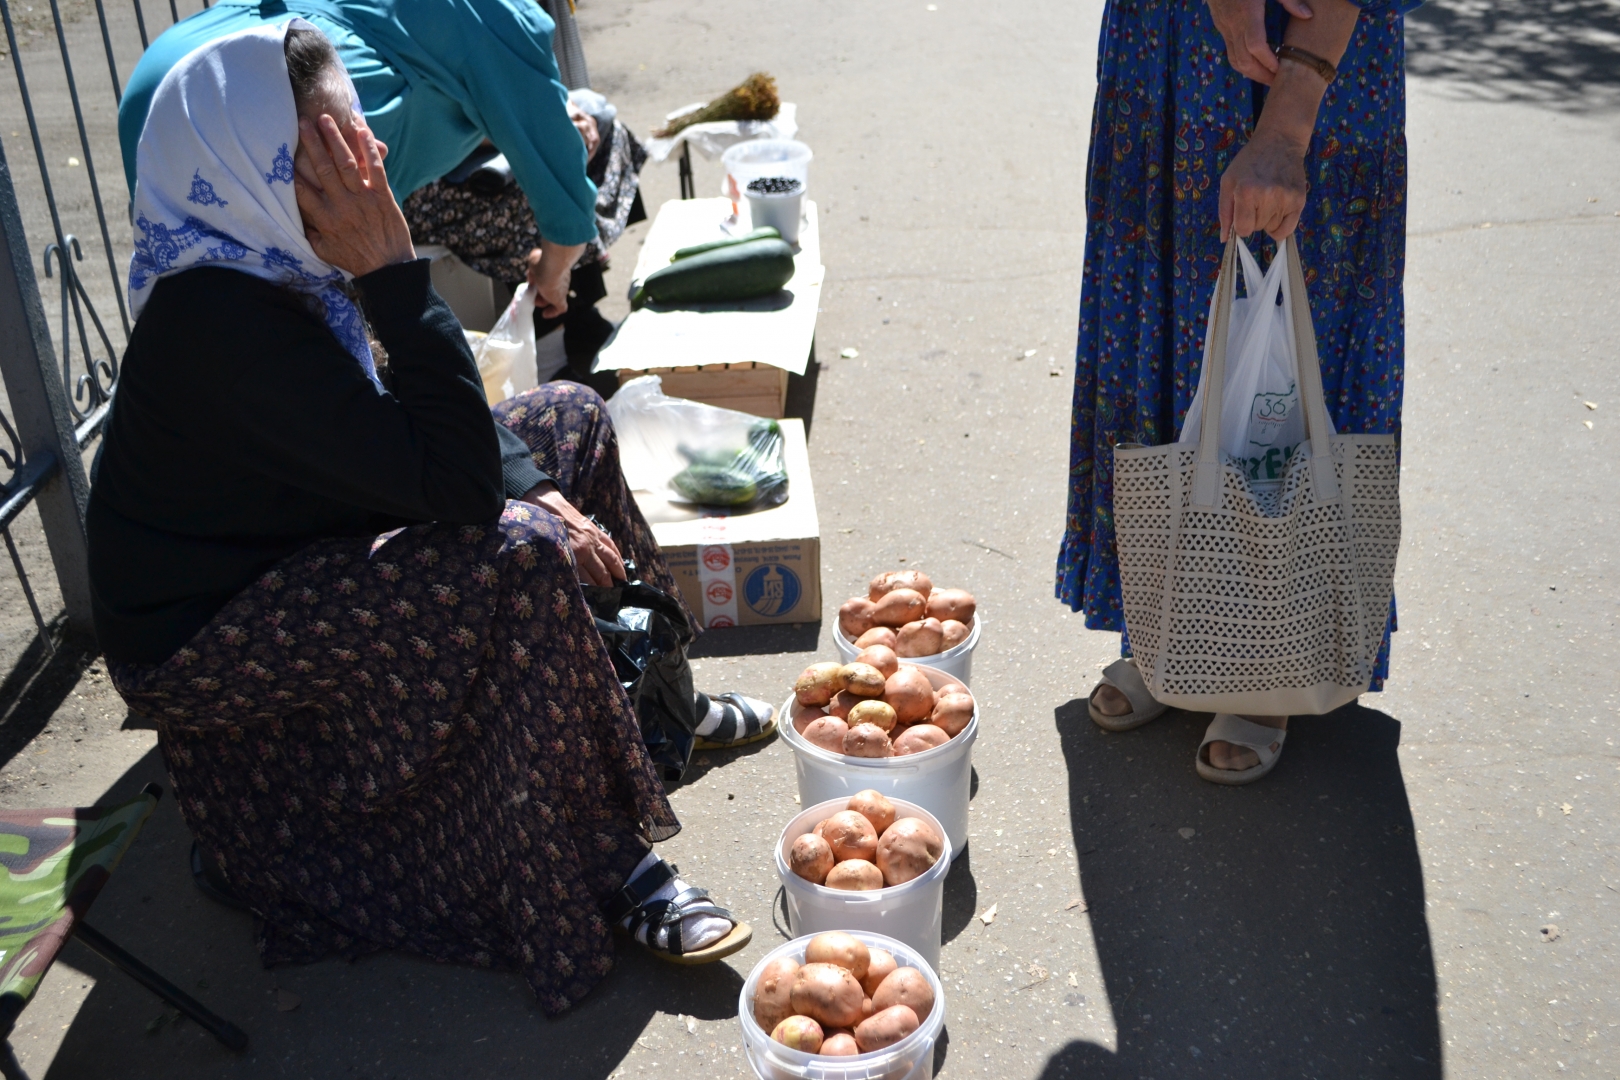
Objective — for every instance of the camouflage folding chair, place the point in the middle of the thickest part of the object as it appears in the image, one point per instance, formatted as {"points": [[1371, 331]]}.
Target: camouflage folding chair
{"points": [[55, 863]]}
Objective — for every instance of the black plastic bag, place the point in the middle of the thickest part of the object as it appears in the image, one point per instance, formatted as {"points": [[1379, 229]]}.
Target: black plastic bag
{"points": [[646, 633]]}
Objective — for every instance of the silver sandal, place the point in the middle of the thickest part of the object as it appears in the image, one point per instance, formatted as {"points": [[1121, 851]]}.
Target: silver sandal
{"points": [[1123, 676]]}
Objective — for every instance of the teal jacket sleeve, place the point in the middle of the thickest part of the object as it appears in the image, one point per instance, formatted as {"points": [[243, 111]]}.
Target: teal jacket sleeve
{"points": [[515, 95]]}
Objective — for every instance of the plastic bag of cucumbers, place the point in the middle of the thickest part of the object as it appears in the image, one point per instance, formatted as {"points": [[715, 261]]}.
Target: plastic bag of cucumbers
{"points": [[689, 452]]}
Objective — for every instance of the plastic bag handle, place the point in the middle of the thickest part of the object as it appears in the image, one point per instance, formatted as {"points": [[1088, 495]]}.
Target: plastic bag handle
{"points": [[1297, 308]]}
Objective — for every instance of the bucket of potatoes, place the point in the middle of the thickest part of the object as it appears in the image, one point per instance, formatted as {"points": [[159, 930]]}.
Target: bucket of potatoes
{"points": [[842, 1006], [903, 611], [901, 729], [866, 863]]}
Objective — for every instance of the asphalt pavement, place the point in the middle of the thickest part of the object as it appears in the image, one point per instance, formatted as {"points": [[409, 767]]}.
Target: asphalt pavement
{"points": [[1429, 882]]}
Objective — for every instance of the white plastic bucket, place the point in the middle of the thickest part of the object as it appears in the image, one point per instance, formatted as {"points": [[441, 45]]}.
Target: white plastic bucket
{"points": [[957, 662], [912, 912], [938, 780], [912, 1058], [748, 161], [780, 212]]}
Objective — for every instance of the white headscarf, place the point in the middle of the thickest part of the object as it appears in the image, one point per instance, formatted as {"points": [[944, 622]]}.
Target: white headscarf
{"points": [[214, 178]]}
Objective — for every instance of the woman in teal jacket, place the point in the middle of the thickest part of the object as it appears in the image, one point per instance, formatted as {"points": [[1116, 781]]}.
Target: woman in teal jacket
{"points": [[436, 78]]}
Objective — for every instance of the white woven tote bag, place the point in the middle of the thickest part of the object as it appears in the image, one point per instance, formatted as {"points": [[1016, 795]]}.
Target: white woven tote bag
{"points": [[1270, 603]]}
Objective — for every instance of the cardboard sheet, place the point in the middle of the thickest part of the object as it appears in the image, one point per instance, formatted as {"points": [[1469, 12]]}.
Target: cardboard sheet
{"points": [[776, 330]]}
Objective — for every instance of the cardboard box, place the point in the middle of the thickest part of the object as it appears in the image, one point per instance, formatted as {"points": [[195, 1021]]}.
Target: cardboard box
{"points": [[750, 569], [759, 389]]}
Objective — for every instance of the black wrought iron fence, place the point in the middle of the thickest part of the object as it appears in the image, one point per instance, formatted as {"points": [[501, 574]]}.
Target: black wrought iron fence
{"points": [[61, 373]]}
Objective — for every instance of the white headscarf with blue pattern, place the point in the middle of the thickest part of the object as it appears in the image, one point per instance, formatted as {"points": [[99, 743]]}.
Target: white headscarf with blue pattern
{"points": [[214, 172]]}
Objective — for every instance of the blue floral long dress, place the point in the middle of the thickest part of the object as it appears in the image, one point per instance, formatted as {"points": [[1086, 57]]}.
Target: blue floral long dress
{"points": [[1170, 114]]}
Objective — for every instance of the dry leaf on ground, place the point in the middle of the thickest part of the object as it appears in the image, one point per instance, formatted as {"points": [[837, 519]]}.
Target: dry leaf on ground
{"points": [[990, 915], [287, 1001]]}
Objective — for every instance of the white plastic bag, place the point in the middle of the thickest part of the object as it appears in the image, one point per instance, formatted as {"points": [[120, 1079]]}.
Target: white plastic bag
{"points": [[1261, 421], [701, 455], [506, 355]]}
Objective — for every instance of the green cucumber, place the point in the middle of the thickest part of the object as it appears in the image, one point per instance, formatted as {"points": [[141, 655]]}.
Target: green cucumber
{"points": [[764, 232], [737, 272], [715, 485]]}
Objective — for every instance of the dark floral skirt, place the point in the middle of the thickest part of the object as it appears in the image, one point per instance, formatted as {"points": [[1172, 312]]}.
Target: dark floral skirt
{"points": [[416, 741]]}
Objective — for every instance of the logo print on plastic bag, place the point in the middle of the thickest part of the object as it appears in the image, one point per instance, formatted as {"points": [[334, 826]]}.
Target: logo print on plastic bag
{"points": [[1269, 414]]}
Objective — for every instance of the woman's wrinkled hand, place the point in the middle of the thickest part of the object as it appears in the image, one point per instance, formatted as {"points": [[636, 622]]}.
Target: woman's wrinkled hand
{"points": [[596, 556], [1264, 188], [350, 216], [550, 274], [1242, 23]]}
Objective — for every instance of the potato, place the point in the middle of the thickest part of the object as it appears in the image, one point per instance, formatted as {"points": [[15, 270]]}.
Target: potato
{"points": [[827, 733], [879, 963], [862, 680], [772, 992], [817, 684], [924, 637], [799, 1033], [907, 849], [828, 994], [952, 713], [821, 828], [952, 687], [878, 635], [845, 950], [868, 741], [855, 616], [954, 632], [877, 713], [842, 703], [855, 875], [886, 1026], [810, 856], [911, 695], [804, 714], [899, 607], [851, 836], [875, 807], [842, 1044], [884, 584], [881, 657], [905, 986], [917, 738], [955, 604]]}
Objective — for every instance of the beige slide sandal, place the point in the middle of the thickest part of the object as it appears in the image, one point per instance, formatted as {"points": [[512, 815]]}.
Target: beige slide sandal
{"points": [[1266, 742], [1123, 676]]}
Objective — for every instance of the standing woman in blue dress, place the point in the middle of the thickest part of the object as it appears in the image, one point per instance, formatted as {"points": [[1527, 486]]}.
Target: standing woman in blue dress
{"points": [[1232, 115]]}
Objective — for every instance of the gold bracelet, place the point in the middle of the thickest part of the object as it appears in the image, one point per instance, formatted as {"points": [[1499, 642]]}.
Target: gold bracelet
{"points": [[1308, 59]]}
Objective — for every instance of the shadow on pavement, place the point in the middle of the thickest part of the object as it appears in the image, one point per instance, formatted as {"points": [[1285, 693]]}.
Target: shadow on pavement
{"points": [[756, 641], [1271, 930], [801, 392], [387, 1015], [37, 685], [1557, 52]]}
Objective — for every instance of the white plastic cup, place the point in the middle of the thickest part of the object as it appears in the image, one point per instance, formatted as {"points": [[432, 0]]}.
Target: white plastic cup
{"points": [[938, 780], [781, 212], [956, 661], [748, 161], [912, 1058], [912, 912]]}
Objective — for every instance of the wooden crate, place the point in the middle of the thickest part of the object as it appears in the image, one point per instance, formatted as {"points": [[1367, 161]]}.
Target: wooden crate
{"points": [[759, 389]]}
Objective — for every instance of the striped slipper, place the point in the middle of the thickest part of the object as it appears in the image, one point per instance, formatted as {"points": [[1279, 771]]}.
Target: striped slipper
{"points": [[743, 720]]}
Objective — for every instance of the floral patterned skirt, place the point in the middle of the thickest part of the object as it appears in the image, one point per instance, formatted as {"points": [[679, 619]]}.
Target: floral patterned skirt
{"points": [[416, 741]]}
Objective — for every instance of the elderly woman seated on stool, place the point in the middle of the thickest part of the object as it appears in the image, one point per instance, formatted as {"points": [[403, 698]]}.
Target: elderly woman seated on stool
{"points": [[354, 613]]}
